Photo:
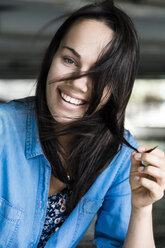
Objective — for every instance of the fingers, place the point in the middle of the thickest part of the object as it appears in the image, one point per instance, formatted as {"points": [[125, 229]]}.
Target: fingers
{"points": [[154, 172], [155, 190], [147, 182], [158, 152], [150, 159], [155, 158], [135, 162]]}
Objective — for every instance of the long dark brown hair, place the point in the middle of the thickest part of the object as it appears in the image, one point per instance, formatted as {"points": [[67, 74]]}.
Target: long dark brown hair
{"points": [[98, 136]]}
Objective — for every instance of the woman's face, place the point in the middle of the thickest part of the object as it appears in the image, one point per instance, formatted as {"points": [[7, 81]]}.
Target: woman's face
{"points": [[78, 52]]}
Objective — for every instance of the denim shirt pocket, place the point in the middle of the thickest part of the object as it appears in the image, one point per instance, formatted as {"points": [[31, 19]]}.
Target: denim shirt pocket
{"points": [[10, 217], [89, 206], [88, 209]]}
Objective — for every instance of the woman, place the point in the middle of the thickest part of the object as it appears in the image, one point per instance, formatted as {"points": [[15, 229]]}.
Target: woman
{"points": [[50, 196]]}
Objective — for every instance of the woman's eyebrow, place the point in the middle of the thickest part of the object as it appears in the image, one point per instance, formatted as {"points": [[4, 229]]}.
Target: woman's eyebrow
{"points": [[73, 51]]}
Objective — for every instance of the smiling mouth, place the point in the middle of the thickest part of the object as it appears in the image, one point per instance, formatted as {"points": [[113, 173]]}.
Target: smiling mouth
{"points": [[71, 100]]}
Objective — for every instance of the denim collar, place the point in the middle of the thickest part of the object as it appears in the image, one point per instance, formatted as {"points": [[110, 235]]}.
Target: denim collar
{"points": [[32, 143]]}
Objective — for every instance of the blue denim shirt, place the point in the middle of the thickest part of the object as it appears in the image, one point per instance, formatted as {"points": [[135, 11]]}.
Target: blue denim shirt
{"points": [[24, 187]]}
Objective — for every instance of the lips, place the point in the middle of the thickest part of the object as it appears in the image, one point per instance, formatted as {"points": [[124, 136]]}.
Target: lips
{"points": [[72, 100]]}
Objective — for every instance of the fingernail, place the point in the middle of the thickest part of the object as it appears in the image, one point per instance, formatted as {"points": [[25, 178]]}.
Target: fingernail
{"points": [[141, 149], [133, 153], [137, 155], [141, 168], [137, 178]]}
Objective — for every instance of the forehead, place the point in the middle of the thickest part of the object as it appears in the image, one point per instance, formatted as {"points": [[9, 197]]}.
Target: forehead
{"points": [[88, 37]]}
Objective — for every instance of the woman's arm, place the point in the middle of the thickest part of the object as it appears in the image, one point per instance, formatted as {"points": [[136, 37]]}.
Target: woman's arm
{"points": [[140, 232], [147, 184]]}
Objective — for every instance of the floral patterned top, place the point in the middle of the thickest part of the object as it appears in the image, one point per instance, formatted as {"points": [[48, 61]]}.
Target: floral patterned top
{"points": [[55, 215]]}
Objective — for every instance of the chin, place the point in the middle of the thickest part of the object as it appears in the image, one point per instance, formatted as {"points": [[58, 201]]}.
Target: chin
{"points": [[63, 119]]}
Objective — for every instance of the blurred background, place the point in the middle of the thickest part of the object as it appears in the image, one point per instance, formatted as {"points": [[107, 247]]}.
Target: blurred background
{"points": [[23, 41]]}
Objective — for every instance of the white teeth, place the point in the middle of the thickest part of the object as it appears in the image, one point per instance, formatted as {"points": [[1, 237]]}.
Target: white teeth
{"points": [[70, 99]]}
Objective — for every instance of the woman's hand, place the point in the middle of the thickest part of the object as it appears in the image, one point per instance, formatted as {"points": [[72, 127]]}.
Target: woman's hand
{"points": [[147, 182]]}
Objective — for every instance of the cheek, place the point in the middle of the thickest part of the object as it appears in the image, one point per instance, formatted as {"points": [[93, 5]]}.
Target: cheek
{"points": [[51, 92], [54, 72], [58, 70]]}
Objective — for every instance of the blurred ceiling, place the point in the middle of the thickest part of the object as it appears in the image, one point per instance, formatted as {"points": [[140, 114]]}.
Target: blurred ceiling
{"points": [[22, 42]]}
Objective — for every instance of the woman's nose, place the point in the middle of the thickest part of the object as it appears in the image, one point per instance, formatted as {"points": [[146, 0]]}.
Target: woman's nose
{"points": [[83, 84]]}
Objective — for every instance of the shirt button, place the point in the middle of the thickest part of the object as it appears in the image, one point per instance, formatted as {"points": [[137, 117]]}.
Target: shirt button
{"points": [[40, 204]]}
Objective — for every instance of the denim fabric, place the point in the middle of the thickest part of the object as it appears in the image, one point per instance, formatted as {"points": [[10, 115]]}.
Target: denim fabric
{"points": [[24, 186]]}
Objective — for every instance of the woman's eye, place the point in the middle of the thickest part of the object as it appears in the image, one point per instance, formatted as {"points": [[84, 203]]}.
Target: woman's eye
{"points": [[69, 61]]}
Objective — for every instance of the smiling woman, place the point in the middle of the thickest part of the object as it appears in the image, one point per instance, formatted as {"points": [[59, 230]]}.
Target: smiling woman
{"points": [[65, 154], [74, 56]]}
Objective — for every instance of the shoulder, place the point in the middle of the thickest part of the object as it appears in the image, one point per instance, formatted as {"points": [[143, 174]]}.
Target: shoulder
{"points": [[130, 138], [14, 113], [115, 178], [122, 161], [125, 150], [16, 105], [119, 167]]}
